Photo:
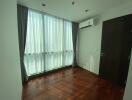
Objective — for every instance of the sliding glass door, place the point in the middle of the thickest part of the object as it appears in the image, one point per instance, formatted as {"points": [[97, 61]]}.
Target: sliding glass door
{"points": [[48, 43]]}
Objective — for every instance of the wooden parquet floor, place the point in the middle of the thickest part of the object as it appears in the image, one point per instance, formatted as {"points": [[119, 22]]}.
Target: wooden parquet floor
{"points": [[71, 84]]}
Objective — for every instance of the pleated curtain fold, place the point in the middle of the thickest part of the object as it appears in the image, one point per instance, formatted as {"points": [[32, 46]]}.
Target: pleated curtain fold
{"points": [[75, 29], [22, 14]]}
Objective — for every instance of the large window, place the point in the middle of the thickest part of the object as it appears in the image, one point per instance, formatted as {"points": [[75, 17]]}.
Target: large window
{"points": [[48, 44]]}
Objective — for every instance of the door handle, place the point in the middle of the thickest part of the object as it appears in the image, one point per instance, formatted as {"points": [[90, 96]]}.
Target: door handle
{"points": [[102, 54], [129, 57]]}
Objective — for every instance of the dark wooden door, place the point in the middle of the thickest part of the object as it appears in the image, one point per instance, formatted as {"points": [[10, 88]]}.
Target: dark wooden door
{"points": [[113, 48], [126, 50]]}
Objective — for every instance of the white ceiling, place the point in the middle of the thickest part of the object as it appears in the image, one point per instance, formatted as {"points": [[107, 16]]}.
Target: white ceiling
{"points": [[65, 9]]}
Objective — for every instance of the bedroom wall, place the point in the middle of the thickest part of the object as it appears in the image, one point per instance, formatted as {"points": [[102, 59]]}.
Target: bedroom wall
{"points": [[10, 75], [90, 38], [128, 90], [89, 48]]}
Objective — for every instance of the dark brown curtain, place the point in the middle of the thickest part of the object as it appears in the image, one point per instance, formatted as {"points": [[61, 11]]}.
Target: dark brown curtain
{"points": [[22, 15], [75, 29]]}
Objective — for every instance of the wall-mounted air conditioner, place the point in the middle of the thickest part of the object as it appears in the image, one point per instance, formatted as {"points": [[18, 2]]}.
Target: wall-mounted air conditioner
{"points": [[87, 23]]}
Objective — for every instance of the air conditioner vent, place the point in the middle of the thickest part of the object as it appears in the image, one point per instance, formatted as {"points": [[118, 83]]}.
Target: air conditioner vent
{"points": [[87, 23]]}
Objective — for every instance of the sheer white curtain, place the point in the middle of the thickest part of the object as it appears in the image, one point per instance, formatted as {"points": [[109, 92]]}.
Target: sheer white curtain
{"points": [[67, 45], [34, 60], [48, 44]]}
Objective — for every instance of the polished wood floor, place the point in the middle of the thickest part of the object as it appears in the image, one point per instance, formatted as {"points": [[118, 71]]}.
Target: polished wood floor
{"points": [[71, 84]]}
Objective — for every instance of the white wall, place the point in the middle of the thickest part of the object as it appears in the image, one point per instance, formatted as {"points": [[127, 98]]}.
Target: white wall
{"points": [[90, 38], [10, 75], [89, 48], [128, 90]]}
